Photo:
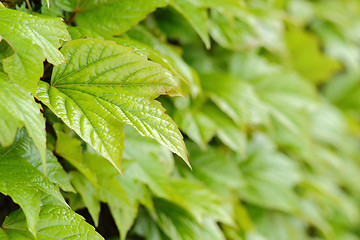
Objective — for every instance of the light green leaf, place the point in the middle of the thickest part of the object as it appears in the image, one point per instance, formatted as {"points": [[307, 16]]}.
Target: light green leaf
{"points": [[89, 194], [111, 191], [228, 132], [70, 149], [104, 86], [18, 107], [32, 44], [215, 169], [192, 196], [109, 17], [55, 222], [234, 97], [270, 176], [230, 4], [156, 48], [305, 55], [196, 16], [24, 184]]}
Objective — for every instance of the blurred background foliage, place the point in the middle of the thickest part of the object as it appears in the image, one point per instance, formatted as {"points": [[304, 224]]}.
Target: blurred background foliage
{"points": [[271, 123]]}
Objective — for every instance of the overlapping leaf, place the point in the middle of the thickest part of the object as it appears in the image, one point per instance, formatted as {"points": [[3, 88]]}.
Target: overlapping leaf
{"points": [[24, 183], [16, 108], [104, 86], [55, 222], [196, 16], [31, 43], [109, 17]]}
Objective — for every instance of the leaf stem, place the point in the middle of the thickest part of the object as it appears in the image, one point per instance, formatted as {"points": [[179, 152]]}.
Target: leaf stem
{"points": [[71, 19], [29, 5]]}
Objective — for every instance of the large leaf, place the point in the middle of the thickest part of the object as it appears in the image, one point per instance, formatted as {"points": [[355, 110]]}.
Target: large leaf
{"points": [[109, 17], [32, 43], [55, 222], [24, 183], [104, 86], [18, 107]]}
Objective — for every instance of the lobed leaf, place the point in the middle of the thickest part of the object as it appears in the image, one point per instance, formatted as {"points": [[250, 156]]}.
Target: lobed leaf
{"points": [[110, 17], [196, 16], [16, 108], [32, 43], [105, 85], [24, 184], [55, 222]]}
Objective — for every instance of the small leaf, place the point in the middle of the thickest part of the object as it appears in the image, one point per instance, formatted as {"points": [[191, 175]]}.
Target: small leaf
{"points": [[32, 43], [17, 107], [104, 86]]}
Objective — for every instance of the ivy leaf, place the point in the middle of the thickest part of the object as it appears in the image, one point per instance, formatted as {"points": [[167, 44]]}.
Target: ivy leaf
{"points": [[196, 16], [31, 43], [55, 222], [264, 172], [304, 53], [24, 184], [71, 150], [105, 85], [24, 147], [89, 194], [235, 97], [18, 107], [109, 17]]}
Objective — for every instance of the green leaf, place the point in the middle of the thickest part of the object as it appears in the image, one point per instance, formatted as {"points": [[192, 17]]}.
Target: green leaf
{"points": [[111, 190], [70, 149], [109, 17], [306, 57], [55, 222], [18, 107], [24, 184], [24, 147], [196, 16], [175, 221], [156, 48], [104, 86], [89, 194], [270, 176], [193, 194], [32, 44], [234, 97], [215, 169]]}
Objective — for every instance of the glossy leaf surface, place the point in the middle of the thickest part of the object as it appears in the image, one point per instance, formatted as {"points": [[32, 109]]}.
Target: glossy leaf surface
{"points": [[104, 86], [25, 65]]}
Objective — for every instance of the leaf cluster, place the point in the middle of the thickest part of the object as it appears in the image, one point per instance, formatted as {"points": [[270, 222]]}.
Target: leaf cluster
{"points": [[99, 100]]}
